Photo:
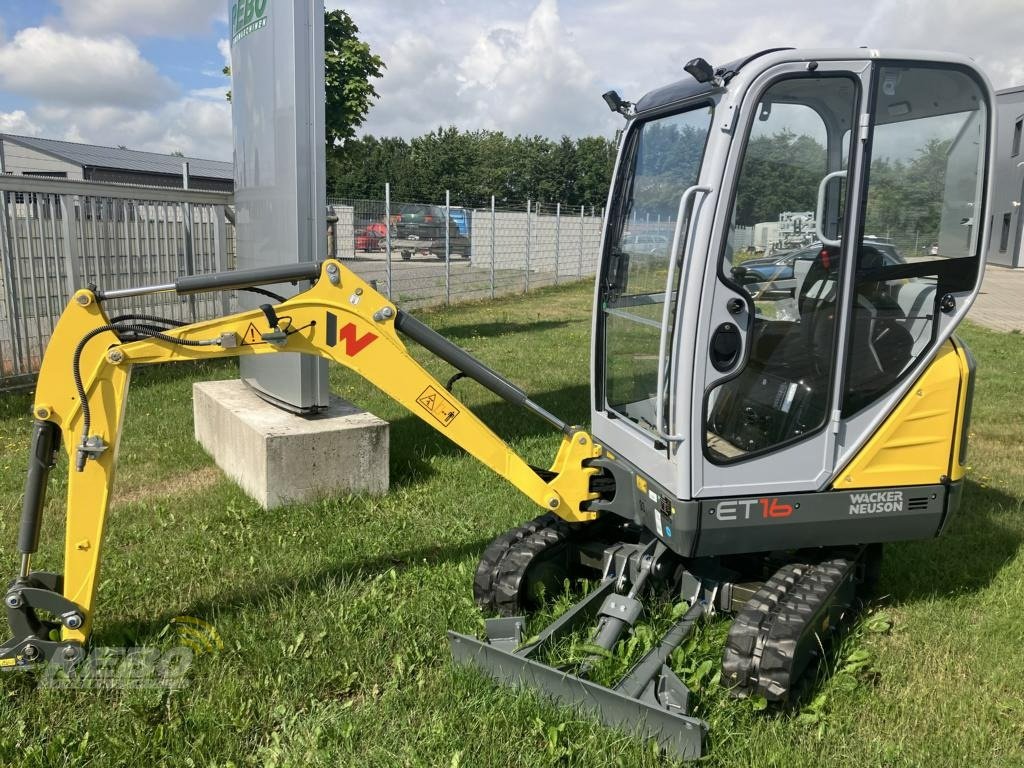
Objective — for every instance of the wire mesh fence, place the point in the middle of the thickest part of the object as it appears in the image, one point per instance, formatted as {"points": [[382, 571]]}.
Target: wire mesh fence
{"points": [[423, 253]]}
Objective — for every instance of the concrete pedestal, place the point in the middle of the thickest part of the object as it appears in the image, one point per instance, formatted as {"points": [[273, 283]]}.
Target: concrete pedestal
{"points": [[278, 457]]}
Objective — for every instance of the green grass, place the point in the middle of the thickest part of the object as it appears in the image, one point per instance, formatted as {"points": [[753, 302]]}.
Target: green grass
{"points": [[333, 614]]}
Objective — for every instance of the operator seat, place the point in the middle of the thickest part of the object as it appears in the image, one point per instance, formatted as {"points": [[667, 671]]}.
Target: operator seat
{"points": [[881, 346]]}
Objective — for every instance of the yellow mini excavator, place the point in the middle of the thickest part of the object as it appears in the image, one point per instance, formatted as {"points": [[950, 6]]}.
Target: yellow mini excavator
{"points": [[776, 388]]}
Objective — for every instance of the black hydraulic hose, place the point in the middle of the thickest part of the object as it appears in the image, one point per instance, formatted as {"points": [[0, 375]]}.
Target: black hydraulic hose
{"points": [[264, 292], [148, 319], [76, 367]]}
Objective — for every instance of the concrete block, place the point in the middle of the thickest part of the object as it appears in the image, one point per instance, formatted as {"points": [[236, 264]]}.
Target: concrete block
{"points": [[278, 457]]}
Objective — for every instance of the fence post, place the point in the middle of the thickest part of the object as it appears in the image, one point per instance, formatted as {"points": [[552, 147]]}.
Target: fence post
{"points": [[220, 251], [387, 230], [579, 266], [72, 249], [492, 245], [13, 319], [447, 248], [558, 238], [190, 267], [529, 244]]}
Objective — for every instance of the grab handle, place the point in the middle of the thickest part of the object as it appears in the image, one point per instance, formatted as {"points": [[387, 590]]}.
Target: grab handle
{"points": [[820, 213], [678, 241]]}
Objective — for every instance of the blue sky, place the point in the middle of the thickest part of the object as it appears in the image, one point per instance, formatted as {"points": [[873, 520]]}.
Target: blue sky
{"points": [[145, 73]]}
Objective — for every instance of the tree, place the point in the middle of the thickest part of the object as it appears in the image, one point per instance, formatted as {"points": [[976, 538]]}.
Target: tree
{"points": [[349, 64]]}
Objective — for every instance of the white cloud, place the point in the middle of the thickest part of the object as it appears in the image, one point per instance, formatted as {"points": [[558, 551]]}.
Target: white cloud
{"points": [[18, 122], [521, 76], [55, 66], [198, 125], [159, 18], [518, 78], [224, 47], [539, 66]]}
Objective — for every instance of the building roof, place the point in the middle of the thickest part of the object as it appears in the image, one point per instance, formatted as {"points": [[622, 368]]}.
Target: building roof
{"points": [[124, 159], [1008, 91]]}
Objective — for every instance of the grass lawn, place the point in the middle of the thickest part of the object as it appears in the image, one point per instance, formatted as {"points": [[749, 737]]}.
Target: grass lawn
{"points": [[333, 614]]}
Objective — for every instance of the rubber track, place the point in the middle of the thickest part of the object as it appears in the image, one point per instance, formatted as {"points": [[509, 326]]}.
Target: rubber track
{"points": [[763, 648], [510, 599], [497, 550]]}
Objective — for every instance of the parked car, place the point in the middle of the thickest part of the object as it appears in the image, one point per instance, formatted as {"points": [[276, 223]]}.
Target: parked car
{"points": [[420, 228], [778, 272], [372, 237], [646, 244], [417, 221]]}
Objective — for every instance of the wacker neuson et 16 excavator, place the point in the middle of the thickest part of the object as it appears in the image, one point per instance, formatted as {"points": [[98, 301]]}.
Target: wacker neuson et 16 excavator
{"points": [[761, 423]]}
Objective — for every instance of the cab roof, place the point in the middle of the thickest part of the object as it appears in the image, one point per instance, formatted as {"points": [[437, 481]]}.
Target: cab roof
{"points": [[688, 87]]}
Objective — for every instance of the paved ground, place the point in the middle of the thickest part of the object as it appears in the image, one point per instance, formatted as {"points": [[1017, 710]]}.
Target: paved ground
{"points": [[1000, 305]]}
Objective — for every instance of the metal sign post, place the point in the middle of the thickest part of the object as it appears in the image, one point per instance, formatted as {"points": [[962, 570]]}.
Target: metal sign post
{"points": [[277, 68]]}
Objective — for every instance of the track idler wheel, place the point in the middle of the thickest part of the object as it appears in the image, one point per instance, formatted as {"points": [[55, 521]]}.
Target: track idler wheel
{"points": [[534, 558], [497, 550]]}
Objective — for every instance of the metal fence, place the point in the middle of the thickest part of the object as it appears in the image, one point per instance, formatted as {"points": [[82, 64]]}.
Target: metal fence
{"points": [[57, 236], [422, 253]]}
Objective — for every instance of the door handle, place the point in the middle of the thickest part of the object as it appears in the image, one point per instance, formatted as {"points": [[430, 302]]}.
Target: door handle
{"points": [[678, 241]]}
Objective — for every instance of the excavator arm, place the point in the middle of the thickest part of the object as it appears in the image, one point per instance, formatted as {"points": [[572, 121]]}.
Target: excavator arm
{"points": [[83, 386]]}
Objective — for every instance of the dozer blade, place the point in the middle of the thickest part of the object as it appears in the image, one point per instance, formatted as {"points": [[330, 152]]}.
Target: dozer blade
{"points": [[650, 701], [680, 735]]}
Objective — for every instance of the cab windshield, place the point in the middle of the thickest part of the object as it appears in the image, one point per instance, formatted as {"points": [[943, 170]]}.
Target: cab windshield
{"points": [[662, 161]]}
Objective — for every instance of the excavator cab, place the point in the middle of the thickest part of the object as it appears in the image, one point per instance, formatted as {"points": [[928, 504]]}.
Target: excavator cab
{"points": [[795, 303]]}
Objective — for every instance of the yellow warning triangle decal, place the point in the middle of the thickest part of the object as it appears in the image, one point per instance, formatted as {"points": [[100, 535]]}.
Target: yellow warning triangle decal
{"points": [[252, 335]]}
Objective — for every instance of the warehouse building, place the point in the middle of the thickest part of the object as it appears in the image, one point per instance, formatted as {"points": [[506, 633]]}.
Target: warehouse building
{"points": [[31, 156], [1007, 215]]}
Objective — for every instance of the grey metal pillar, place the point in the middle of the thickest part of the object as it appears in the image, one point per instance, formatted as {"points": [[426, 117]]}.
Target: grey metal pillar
{"points": [[277, 116], [492, 245], [579, 266], [7, 238], [220, 250], [529, 243], [387, 231], [72, 248], [190, 266], [447, 248], [558, 237]]}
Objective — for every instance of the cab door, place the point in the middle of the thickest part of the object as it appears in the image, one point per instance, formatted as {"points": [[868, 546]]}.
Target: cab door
{"points": [[772, 318], [653, 239]]}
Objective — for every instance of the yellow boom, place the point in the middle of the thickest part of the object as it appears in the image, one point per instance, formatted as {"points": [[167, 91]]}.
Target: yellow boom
{"points": [[341, 318]]}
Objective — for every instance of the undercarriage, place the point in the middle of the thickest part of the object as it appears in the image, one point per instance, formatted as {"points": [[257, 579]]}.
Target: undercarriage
{"points": [[787, 609]]}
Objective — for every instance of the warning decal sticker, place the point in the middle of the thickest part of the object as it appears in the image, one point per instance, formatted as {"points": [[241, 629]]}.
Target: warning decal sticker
{"points": [[252, 335], [434, 403]]}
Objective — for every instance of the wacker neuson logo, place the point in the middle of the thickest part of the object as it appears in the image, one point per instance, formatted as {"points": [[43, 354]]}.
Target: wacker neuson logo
{"points": [[247, 16], [875, 502]]}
